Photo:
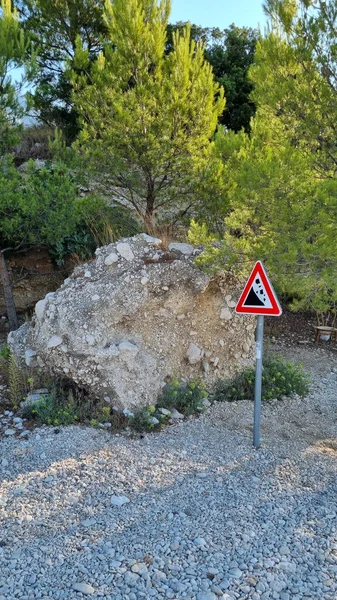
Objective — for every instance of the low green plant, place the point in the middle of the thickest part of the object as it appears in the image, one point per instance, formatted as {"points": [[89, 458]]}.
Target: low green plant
{"points": [[142, 419], [17, 382], [49, 411], [5, 352], [280, 378], [186, 397]]}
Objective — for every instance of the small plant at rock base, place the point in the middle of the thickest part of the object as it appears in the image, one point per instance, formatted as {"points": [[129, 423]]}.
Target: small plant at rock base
{"points": [[16, 381], [48, 411], [5, 352], [186, 397], [279, 378], [144, 420]]}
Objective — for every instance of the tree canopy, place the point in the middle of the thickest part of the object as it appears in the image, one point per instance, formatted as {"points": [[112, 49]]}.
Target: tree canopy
{"points": [[280, 203], [13, 50], [55, 28], [147, 117], [231, 53]]}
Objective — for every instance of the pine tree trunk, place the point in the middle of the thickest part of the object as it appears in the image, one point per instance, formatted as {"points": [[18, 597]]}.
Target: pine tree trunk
{"points": [[8, 294], [148, 219]]}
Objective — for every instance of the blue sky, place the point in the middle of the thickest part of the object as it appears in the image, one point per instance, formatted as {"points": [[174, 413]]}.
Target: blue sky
{"points": [[219, 13]]}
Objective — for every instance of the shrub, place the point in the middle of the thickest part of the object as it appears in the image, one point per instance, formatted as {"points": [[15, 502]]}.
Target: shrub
{"points": [[49, 411], [186, 397], [98, 224], [142, 420], [279, 378], [105, 223]]}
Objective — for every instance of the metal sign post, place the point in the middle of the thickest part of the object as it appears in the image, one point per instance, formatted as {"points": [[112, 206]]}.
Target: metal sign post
{"points": [[258, 381], [258, 298]]}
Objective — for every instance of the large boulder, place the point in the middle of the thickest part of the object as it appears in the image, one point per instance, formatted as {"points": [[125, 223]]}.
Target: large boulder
{"points": [[134, 316]]}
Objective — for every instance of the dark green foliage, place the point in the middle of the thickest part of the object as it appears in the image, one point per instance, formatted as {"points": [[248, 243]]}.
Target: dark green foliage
{"points": [[141, 421], [80, 244], [186, 397], [68, 403], [5, 352], [55, 27], [231, 53], [48, 411], [280, 378], [105, 223], [98, 224], [231, 58]]}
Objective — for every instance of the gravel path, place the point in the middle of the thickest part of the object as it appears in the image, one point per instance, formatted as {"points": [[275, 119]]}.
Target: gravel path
{"points": [[192, 512]]}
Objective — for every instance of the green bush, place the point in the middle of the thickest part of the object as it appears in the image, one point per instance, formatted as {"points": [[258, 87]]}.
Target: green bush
{"points": [[48, 411], [142, 420], [81, 244], [68, 403], [97, 224], [279, 378], [5, 352], [186, 397]]}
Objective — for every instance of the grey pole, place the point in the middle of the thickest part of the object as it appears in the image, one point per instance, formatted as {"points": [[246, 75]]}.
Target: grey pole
{"points": [[258, 381]]}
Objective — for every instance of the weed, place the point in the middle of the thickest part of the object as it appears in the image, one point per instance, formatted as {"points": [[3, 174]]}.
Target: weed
{"points": [[144, 419], [279, 378], [48, 411], [186, 397]]}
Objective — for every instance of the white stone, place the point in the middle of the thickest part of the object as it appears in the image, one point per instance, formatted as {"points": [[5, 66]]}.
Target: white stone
{"points": [[119, 500], [30, 355], [95, 298], [124, 249], [176, 415], [164, 412], [154, 421], [54, 341], [144, 280], [87, 274], [185, 249], [152, 241], [128, 348], [139, 568], [141, 337], [84, 588], [40, 307], [90, 339], [10, 432], [131, 579], [194, 354], [226, 314], [111, 259]]}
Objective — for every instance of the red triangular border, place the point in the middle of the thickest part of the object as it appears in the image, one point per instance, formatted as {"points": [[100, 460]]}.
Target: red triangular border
{"points": [[275, 309]]}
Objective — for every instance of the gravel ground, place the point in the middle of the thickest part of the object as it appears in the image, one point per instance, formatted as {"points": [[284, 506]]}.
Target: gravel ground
{"points": [[192, 512]]}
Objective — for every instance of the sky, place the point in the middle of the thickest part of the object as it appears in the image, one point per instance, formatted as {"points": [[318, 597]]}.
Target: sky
{"points": [[219, 13]]}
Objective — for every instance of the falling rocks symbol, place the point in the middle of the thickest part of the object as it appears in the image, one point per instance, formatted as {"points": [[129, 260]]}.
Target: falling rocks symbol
{"points": [[253, 300]]}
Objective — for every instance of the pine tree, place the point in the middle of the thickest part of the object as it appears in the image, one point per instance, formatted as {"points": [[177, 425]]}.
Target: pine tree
{"points": [[54, 26], [148, 118], [12, 54], [280, 202]]}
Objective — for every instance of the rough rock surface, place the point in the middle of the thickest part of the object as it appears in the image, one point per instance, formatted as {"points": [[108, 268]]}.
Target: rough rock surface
{"points": [[133, 317]]}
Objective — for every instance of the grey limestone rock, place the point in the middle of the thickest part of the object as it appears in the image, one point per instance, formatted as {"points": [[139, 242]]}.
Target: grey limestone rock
{"points": [[119, 332]]}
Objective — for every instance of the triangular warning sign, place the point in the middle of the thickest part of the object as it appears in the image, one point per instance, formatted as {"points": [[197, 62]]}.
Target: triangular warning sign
{"points": [[258, 297]]}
